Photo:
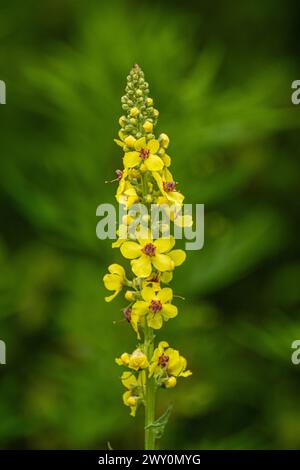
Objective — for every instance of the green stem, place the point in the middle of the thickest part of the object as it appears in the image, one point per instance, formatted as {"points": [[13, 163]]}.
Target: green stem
{"points": [[150, 394]]}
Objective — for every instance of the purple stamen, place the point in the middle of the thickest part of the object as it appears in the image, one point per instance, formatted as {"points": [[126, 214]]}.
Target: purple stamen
{"points": [[155, 306], [149, 249]]}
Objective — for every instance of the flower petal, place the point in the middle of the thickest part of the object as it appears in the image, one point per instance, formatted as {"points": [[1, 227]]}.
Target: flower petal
{"points": [[169, 311], [178, 256], [153, 145], [141, 266], [154, 163], [140, 144], [109, 298], [130, 250], [165, 295], [131, 159], [112, 282], [166, 159], [140, 307], [162, 262], [128, 380], [163, 244], [148, 294], [117, 269], [155, 321]]}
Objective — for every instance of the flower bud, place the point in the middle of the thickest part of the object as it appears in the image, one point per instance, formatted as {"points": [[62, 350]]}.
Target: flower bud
{"points": [[164, 139], [148, 126], [148, 198], [149, 101], [134, 111], [155, 113], [122, 121], [130, 295], [130, 140], [131, 401], [170, 382], [143, 168], [125, 358], [138, 360]]}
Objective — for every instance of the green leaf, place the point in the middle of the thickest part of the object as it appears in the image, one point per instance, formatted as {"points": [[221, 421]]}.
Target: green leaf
{"points": [[160, 424]]}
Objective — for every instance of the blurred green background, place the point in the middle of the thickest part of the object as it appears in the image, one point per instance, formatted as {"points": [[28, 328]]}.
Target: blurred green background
{"points": [[220, 74]]}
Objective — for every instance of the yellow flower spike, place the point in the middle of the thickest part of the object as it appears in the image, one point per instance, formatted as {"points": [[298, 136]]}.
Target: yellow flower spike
{"points": [[146, 178], [115, 280], [148, 126]]}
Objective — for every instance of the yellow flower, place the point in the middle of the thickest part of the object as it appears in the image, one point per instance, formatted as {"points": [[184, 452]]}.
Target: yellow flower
{"points": [[144, 153], [167, 187], [155, 306], [126, 194], [156, 278], [147, 252], [135, 389], [167, 363], [115, 280], [171, 199], [137, 360]]}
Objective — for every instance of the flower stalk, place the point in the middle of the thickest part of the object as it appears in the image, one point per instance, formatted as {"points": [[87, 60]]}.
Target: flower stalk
{"points": [[146, 180]]}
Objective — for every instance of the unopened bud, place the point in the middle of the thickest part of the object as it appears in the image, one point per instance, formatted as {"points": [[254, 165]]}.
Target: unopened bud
{"points": [[131, 401], [129, 141], [149, 101], [164, 139], [122, 121], [134, 111], [130, 295], [125, 358], [170, 382], [148, 126]]}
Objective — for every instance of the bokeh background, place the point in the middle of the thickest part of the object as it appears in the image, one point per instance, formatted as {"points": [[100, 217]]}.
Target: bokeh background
{"points": [[220, 74]]}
